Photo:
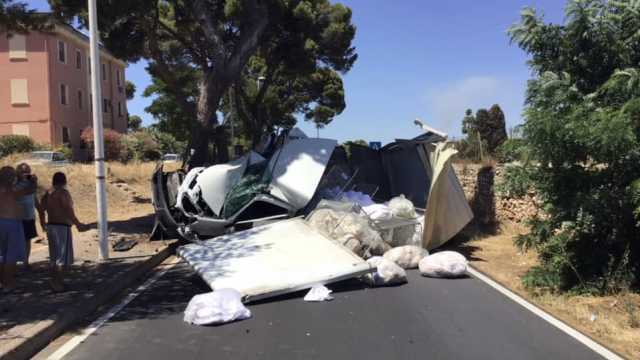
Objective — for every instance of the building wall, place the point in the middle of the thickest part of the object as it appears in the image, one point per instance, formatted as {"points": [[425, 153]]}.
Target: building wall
{"points": [[32, 118], [39, 111], [72, 116]]}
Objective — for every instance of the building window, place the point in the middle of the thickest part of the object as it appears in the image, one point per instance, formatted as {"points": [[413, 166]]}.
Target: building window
{"points": [[78, 60], [119, 109], [104, 72], [65, 135], [62, 52], [105, 105], [118, 78], [63, 94], [89, 64], [18, 47], [19, 92], [80, 100]]}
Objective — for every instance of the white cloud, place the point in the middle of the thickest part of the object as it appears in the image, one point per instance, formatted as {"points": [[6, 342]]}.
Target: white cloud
{"points": [[447, 103]]}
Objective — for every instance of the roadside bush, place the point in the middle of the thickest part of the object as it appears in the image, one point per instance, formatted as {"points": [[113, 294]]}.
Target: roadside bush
{"points": [[140, 146], [11, 144], [517, 180], [167, 143], [113, 146], [582, 126], [66, 151], [512, 150]]}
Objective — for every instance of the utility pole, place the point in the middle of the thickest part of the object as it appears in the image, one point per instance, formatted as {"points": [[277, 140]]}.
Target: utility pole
{"points": [[98, 138]]}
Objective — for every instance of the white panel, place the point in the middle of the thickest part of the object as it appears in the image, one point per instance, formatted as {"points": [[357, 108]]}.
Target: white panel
{"points": [[297, 169], [19, 92], [20, 129], [274, 259], [18, 47]]}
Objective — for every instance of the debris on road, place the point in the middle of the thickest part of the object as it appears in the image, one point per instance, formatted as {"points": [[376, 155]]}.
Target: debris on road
{"points": [[444, 264], [318, 293], [407, 256], [387, 273], [217, 307], [388, 205]]}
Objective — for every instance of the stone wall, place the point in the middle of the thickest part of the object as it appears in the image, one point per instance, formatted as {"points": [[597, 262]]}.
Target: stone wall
{"points": [[505, 208]]}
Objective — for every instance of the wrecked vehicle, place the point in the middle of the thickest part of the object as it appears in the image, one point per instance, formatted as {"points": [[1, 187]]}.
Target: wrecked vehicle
{"points": [[291, 174]]}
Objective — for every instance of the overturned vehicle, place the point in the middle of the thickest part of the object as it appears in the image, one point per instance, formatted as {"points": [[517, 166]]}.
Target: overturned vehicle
{"points": [[291, 174]]}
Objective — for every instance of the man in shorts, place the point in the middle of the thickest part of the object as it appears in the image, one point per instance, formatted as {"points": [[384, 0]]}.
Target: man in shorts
{"points": [[12, 247], [28, 203], [57, 217]]}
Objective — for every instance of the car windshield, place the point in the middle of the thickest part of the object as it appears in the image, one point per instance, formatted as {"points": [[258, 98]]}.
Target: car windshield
{"points": [[42, 155], [170, 157]]}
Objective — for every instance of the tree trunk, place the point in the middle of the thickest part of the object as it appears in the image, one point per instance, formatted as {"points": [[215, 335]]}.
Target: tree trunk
{"points": [[206, 128]]}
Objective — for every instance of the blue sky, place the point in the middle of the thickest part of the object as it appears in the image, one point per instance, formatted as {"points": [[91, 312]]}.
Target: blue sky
{"points": [[418, 59]]}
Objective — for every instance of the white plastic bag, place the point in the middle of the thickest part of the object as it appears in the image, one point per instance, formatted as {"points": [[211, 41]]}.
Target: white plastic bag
{"points": [[402, 207], [217, 307], [378, 211], [387, 273], [407, 257], [445, 264], [318, 293]]}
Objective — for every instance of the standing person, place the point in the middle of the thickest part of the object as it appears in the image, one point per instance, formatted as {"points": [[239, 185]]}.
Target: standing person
{"points": [[57, 217], [28, 204], [12, 247]]}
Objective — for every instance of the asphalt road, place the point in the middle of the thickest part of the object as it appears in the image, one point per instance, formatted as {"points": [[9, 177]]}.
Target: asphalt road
{"points": [[424, 319]]}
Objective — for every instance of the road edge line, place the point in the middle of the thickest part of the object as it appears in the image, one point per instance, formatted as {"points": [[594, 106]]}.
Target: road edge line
{"points": [[40, 335], [72, 343], [580, 337]]}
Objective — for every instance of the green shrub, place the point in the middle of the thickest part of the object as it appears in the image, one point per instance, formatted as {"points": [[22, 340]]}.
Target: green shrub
{"points": [[516, 181], [140, 146], [66, 151], [512, 150], [11, 144], [113, 146]]}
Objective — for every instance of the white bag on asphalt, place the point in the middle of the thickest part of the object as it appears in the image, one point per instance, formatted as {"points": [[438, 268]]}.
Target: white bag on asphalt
{"points": [[217, 307], [445, 264], [318, 293], [407, 257], [387, 273]]}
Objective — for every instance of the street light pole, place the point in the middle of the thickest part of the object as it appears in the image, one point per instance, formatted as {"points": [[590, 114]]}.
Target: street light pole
{"points": [[96, 99]]}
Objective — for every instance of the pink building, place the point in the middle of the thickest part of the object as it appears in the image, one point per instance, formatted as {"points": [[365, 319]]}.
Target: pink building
{"points": [[45, 87]]}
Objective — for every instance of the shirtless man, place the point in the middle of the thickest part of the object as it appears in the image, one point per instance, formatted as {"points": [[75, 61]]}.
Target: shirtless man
{"points": [[57, 216], [12, 246]]}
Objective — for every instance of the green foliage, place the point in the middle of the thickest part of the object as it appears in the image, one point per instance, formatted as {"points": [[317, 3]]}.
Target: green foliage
{"points": [[512, 150], [485, 131], [129, 90], [348, 144], [516, 181], [66, 151], [114, 148], [582, 125], [134, 123], [15, 16], [140, 146], [11, 144]]}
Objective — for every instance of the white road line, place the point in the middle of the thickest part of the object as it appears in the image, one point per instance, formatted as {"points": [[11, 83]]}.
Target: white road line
{"points": [[601, 350], [78, 339]]}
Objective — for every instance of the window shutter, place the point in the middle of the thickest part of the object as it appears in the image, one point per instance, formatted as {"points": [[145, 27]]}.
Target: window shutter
{"points": [[19, 92], [18, 47]]}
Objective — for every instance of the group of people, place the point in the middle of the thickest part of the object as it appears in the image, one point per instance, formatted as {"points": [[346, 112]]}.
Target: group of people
{"points": [[18, 206]]}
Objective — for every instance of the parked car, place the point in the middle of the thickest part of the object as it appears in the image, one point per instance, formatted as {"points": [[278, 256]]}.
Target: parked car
{"points": [[48, 158], [171, 158]]}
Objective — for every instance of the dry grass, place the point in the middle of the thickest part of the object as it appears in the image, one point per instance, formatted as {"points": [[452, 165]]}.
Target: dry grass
{"points": [[81, 179], [614, 321]]}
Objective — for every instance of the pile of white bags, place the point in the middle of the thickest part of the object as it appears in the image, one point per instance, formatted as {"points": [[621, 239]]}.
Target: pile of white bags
{"points": [[402, 207], [350, 229], [217, 307], [318, 293], [407, 256], [387, 273], [445, 264]]}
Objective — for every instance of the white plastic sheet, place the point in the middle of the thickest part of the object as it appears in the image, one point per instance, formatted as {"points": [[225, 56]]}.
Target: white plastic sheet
{"points": [[217, 307], [318, 293], [443, 264]]}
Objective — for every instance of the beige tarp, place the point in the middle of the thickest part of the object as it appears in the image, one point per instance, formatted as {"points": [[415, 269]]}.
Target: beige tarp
{"points": [[447, 210]]}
